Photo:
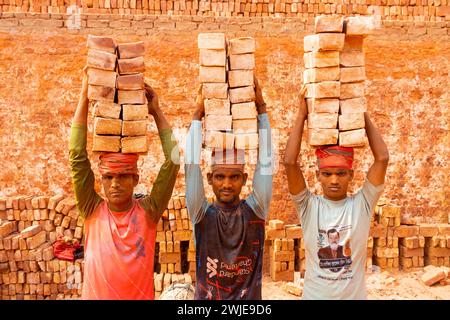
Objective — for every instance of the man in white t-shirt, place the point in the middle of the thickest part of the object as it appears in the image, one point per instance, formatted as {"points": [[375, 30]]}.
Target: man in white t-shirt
{"points": [[335, 226]]}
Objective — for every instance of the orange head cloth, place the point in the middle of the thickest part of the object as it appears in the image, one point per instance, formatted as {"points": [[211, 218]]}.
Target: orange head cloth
{"points": [[118, 163], [228, 159], [334, 157]]}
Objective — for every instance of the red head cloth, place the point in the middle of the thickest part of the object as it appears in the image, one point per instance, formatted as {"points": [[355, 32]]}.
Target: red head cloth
{"points": [[334, 157], [228, 159], [118, 163]]}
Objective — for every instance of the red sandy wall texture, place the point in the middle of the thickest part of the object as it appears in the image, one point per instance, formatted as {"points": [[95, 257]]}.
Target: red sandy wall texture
{"points": [[407, 91]]}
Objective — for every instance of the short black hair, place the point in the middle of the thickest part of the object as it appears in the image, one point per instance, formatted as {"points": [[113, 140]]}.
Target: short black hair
{"points": [[333, 230]]}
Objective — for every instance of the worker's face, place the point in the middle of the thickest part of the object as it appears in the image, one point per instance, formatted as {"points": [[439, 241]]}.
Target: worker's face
{"points": [[119, 188], [333, 239], [227, 184], [334, 182]]}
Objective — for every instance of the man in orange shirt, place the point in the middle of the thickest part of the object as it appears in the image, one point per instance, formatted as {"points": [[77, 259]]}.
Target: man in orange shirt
{"points": [[120, 231]]}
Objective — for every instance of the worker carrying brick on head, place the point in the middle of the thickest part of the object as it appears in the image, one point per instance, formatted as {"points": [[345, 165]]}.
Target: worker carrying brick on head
{"points": [[335, 226], [229, 233], [120, 231]]}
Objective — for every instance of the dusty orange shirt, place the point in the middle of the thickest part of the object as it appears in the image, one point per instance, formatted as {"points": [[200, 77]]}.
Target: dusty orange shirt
{"points": [[119, 254]]}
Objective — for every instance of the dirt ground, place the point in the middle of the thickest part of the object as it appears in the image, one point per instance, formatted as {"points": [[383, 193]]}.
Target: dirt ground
{"points": [[386, 285]]}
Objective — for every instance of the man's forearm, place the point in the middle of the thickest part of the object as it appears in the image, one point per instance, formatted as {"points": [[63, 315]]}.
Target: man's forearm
{"points": [[161, 120], [295, 140], [376, 142], [81, 114]]}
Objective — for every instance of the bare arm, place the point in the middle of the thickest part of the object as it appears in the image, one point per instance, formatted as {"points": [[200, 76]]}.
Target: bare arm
{"points": [[296, 181], [377, 171], [155, 110], [82, 176], [81, 113], [163, 186]]}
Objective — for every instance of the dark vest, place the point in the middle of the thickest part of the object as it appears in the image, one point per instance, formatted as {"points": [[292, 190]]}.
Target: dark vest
{"points": [[229, 245]]}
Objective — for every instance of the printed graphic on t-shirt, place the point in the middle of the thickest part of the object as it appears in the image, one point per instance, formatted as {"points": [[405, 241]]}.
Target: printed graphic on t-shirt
{"points": [[334, 249], [220, 273]]}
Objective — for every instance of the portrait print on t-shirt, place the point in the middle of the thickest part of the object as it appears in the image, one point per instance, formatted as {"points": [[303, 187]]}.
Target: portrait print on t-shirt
{"points": [[334, 248]]}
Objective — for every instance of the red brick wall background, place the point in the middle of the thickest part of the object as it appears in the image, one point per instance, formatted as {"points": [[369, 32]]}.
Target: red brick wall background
{"points": [[407, 67], [411, 10]]}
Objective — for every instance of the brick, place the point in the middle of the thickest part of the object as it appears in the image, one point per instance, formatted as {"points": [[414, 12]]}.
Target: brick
{"points": [[219, 140], [100, 77], [134, 128], [351, 59], [353, 43], [444, 229], [100, 93], [352, 74], [134, 144], [212, 74], [106, 44], [211, 41], [169, 257], [433, 276], [386, 252], [130, 66], [240, 78], [326, 89], [101, 60], [246, 110], [294, 232], [182, 235], [246, 141], [321, 59], [322, 105], [320, 137], [407, 252], [104, 109], [351, 121], [6, 228], [218, 122], [276, 224], [30, 231], [53, 201], [132, 97], [36, 240], [322, 120], [351, 90], [355, 105], [245, 126], [321, 74], [328, 23], [406, 231], [242, 61], [212, 58], [410, 242], [241, 45], [243, 94], [131, 82], [437, 251], [359, 26], [131, 50], [428, 230], [272, 234], [215, 90], [217, 106], [107, 126], [353, 138], [134, 112], [324, 42], [105, 143]]}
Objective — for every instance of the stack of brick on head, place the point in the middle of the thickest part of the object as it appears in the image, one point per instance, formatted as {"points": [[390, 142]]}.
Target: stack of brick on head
{"points": [[229, 232], [120, 231], [335, 225]]}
